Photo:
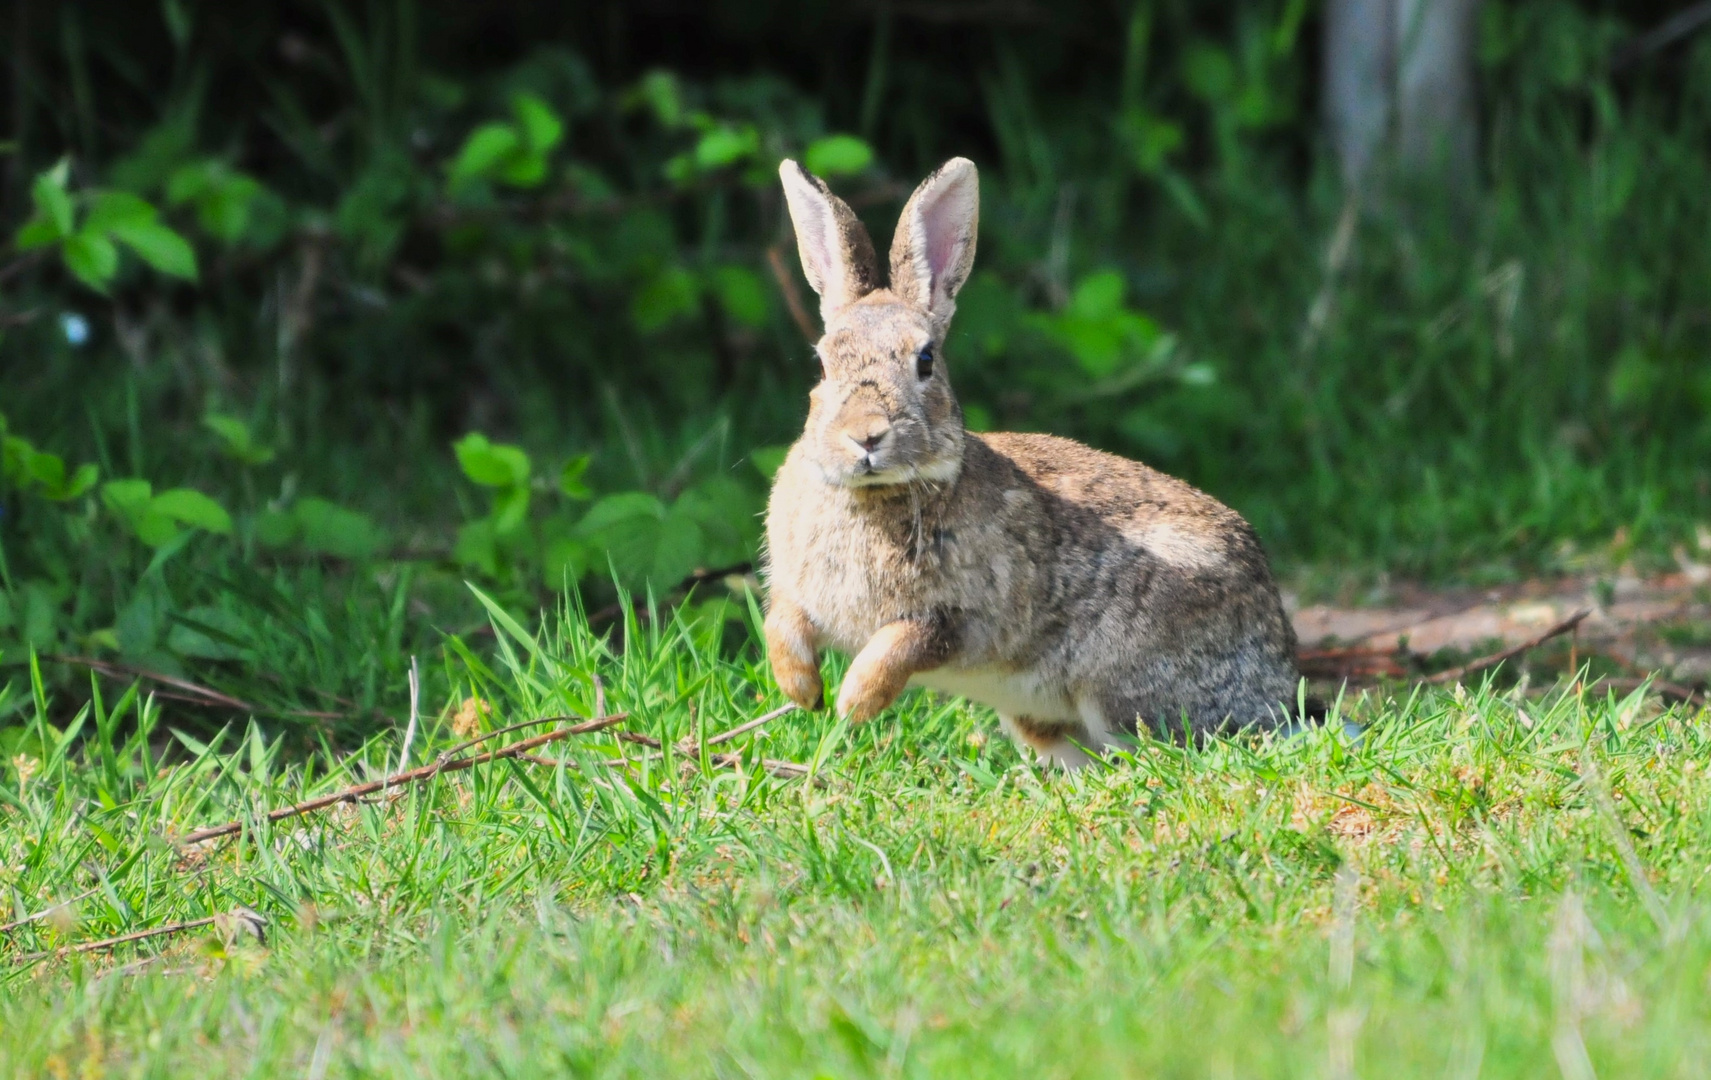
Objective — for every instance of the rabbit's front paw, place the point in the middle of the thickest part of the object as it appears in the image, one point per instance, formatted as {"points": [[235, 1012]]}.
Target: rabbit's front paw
{"points": [[795, 661], [799, 681], [867, 690]]}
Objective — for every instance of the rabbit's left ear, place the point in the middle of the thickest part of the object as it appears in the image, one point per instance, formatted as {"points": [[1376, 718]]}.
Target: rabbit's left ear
{"points": [[933, 249]]}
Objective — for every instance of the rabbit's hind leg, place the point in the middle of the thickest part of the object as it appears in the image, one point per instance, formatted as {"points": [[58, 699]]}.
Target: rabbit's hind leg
{"points": [[1056, 742]]}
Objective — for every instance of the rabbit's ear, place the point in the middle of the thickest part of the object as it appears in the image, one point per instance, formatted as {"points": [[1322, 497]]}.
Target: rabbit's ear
{"points": [[836, 253], [934, 246]]}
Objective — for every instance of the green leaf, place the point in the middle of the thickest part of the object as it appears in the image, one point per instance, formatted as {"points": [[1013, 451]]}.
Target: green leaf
{"points": [[837, 154], [190, 507], [154, 528], [564, 562], [477, 546], [486, 147], [570, 477], [742, 294], [726, 146], [45, 469], [767, 459], [116, 209], [236, 439], [659, 91], [671, 295], [1209, 73], [330, 529], [37, 233], [540, 125], [65, 489], [626, 531], [209, 633], [277, 528], [53, 204], [1098, 295], [224, 211], [125, 496], [677, 550], [160, 247], [510, 509], [523, 169], [189, 182], [622, 507], [91, 258], [492, 464]]}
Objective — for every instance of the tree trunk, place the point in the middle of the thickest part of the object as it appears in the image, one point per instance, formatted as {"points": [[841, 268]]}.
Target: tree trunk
{"points": [[1399, 98]]}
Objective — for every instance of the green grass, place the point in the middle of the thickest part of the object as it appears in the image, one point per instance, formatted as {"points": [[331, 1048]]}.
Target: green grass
{"points": [[1482, 883]]}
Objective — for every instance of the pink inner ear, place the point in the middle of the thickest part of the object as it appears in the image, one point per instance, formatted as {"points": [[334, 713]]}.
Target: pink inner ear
{"points": [[941, 238]]}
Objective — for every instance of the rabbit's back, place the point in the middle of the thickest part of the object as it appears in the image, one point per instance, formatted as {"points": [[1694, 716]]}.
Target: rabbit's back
{"points": [[1163, 607]]}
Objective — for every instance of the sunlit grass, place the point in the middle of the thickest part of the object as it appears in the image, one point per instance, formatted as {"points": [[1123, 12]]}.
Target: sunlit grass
{"points": [[1480, 884]]}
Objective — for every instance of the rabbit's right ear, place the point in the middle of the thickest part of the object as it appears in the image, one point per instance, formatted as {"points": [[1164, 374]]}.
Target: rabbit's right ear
{"points": [[836, 253]]}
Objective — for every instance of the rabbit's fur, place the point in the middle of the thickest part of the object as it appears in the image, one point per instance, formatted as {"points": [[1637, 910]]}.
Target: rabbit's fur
{"points": [[1078, 593]]}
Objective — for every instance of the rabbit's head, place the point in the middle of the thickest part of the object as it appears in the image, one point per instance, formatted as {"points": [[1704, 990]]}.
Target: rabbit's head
{"points": [[884, 412]]}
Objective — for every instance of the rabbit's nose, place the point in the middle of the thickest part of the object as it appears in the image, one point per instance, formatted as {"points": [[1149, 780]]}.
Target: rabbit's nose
{"points": [[869, 442]]}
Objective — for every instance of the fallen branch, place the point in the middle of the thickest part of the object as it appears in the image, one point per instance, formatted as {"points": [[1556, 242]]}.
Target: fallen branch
{"points": [[1456, 673], [108, 943], [239, 918], [47, 911], [445, 764], [1354, 662], [776, 766], [689, 748], [727, 736]]}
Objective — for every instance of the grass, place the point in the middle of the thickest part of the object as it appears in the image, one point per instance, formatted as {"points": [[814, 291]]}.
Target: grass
{"points": [[1483, 883]]}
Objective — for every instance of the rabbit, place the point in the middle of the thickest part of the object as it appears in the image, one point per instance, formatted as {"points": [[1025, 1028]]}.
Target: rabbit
{"points": [[1079, 594]]}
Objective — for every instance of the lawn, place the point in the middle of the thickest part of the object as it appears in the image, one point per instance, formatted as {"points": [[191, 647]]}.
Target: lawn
{"points": [[1480, 881]]}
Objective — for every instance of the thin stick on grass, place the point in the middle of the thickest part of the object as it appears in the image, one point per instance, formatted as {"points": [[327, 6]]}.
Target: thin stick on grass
{"points": [[1457, 673], [47, 911], [445, 764], [727, 736], [240, 917], [777, 766], [122, 939], [688, 747]]}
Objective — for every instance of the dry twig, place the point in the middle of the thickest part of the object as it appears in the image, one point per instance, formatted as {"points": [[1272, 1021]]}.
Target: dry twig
{"points": [[1456, 673], [445, 764], [241, 919], [47, 911], [688, 748]]}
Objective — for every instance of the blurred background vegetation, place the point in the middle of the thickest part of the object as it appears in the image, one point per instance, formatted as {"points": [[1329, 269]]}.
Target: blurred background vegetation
{"points": [[313, 311]]}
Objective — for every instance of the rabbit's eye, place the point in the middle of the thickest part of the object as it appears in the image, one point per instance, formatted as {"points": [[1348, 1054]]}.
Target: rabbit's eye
{"points": [[924, 363]]}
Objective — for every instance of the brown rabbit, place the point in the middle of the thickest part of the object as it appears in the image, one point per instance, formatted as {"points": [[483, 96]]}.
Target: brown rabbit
{"points": [[1077, 593]]}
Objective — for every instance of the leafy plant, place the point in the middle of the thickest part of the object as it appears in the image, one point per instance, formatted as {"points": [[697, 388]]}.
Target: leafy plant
{"points": [[513, 152], [28, 470], [89, 242], [157, 519], [237, 440]]}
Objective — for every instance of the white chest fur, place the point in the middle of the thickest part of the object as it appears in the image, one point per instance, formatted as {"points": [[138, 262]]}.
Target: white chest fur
{"points": [[1011, 693]]}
